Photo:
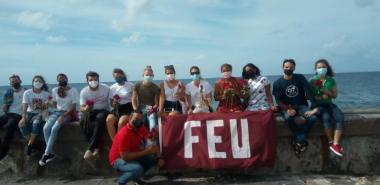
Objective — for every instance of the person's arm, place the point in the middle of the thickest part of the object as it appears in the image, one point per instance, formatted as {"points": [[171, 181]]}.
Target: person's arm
{"points": [[269, 96], [134, 99], [189, 108], [218, 92], [82, 100], [129, 156], [162, 98], [306, 87]]}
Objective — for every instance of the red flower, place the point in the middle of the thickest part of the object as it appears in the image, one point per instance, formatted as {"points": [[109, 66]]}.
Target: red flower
{"points": [[116, 97], [319, 83], [242, 82], [227, 85], [50, 98], [90, 103]]}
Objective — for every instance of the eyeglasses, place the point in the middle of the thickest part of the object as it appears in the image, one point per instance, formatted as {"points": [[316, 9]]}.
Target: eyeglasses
{"points": [[195, 73]]}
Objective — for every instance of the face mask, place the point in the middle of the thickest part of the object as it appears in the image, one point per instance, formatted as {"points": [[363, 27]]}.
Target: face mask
{"points": [[37, 85], [288, 72], [148, 78], [93, 84], [322, 71], [170, 76], [16, 85], [195, 77], [226, 75], [137, 123], [249, 74], [62, 83], [120, 79]]}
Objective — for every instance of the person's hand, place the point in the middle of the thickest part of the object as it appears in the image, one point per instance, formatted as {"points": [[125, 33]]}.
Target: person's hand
{"points": [[61, 119], [273, 108], [291, 112], [22, 122], [310, 113], [325, 96], [190, 111], [5, 108], [160, 162], [152, 149]]}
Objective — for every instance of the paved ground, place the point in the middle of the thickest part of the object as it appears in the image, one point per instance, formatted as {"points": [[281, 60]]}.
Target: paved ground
{"points": [[8, 178]]}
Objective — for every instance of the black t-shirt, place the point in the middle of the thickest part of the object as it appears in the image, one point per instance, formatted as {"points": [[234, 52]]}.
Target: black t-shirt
{"points": [[292, 92]]}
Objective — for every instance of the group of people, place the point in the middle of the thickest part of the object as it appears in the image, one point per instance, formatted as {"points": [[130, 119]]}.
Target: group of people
{"points": [[130, 111]]}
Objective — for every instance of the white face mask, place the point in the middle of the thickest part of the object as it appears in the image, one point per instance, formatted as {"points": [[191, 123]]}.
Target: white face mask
{"points": [[226, 75], [93, 84], [170, 76], [37, 85]]}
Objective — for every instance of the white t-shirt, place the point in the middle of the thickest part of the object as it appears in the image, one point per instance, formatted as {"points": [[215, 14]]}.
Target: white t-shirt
{"points": [[99, 97], [257, 91], [34, 100], [64, 104], [16, 106], [124, 92], [170, 93], [194, 91]]}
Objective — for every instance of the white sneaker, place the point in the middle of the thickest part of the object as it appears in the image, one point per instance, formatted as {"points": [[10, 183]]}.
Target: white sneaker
{"points": [[96, 152], [87, 155]]}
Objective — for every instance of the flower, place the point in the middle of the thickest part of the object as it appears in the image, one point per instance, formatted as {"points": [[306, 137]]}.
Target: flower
{"points": [[50, 98], [319, 83], [116, 97], [90, 103]]}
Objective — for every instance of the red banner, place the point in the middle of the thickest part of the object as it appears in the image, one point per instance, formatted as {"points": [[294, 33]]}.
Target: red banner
{"points": [[218, 140]]}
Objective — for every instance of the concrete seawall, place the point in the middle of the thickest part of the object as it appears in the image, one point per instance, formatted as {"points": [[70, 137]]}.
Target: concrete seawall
{"points": [[361, 145]]}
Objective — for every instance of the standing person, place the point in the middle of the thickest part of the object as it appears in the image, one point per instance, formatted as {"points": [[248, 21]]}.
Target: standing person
{"points": [[198, 92], [35, 105], [260, 97], [65, 99], [12, 103], [292, 92], [172, 91], [145, 98], [94, 105], [324, 90], [128, 155], [121, 101], [228, 91]]}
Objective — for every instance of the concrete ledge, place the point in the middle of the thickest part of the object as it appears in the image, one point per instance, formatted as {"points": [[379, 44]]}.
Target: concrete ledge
{"points": [[360, 142]]}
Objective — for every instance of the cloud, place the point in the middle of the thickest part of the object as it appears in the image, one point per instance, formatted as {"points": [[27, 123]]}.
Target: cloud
{"points": [[344, 46], [205, 2], [132, 8], [56, 39], [364, 3], [200, 57], [133, 38], [37, 20]]}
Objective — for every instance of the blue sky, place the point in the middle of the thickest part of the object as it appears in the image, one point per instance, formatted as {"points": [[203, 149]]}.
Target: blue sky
{"points": [[73, 36]]}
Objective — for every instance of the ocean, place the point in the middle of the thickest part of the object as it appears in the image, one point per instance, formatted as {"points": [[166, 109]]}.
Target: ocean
{"points": [[355, 90]]}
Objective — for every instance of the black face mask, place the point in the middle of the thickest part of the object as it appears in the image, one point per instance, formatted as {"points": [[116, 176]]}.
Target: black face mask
{"points": [[16, 85], [62, 83], [249, 74], [137, 123], [288, 72]]}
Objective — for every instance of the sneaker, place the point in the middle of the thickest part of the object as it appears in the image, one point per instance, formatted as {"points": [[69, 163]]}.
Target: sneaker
{"points": [[153, 179], [96, 152], [337, 149], [303, 146], [42, 161], [87, 155]]}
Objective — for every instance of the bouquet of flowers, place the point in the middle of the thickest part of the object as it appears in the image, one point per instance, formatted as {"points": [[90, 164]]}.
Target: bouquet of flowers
{"points": [[319, 86], [45, 108], [86, 114]]}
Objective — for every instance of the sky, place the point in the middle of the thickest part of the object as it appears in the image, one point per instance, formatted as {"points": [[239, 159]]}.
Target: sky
{"points": [[48, 37]]}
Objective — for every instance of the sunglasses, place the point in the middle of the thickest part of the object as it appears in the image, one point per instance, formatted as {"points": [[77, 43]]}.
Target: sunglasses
{"points": [[195, 73]]}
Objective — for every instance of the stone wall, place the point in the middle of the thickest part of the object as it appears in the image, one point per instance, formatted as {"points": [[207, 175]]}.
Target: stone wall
{"points": [[361, 145]]}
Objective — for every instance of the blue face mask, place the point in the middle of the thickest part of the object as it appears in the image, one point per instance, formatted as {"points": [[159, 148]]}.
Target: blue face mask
{"points": [[148, 78], [322, 71], [120, 79], [195, 77]]}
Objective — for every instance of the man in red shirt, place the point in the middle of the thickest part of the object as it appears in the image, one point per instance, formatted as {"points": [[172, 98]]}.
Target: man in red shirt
{"points": [[128, 154]]}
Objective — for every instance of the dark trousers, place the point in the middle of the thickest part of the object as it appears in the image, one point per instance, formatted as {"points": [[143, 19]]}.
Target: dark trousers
{"points": [[8, 122], [96, 127]]}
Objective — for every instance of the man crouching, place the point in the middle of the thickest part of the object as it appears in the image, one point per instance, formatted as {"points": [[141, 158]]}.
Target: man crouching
{"points": [[129, 154]]}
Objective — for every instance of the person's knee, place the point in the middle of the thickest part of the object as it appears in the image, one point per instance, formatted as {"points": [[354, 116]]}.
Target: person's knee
{"points": [[56, 127], [101, 116]]}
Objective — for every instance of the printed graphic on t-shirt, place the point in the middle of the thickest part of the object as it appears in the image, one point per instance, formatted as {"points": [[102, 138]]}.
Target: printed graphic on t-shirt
{"points": [[291, 91], [37, 104]]}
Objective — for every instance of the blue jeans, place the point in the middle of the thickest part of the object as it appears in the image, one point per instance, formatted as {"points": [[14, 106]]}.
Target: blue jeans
{"points": [[133, 170], [51, 129], [33, 124], [329, 113], [151, 119], [300, 131]]}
